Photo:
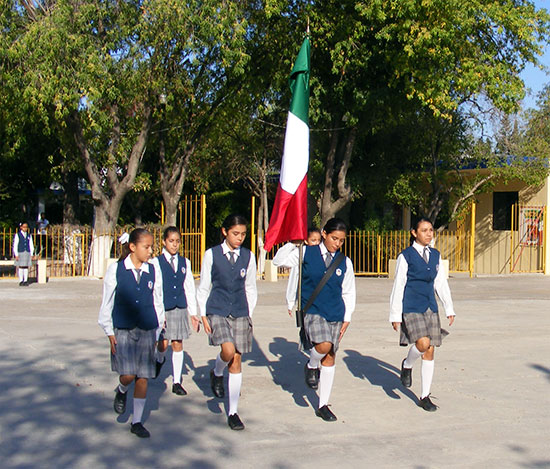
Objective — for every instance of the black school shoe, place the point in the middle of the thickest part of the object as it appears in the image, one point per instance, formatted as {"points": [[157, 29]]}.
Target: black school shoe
{"points": [[235, 422], [427, 404], [216, 383], [119, 403], [177, 388], [158, 367], [326, 414], [312, 376], [139, 430], [406, 375]]}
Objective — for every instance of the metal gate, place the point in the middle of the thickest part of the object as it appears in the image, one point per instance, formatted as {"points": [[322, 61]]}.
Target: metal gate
{"points": [[527, 245]]}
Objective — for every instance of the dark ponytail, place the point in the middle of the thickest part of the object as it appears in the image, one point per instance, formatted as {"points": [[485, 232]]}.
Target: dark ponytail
{"points": [[134, 238], [232, 220], [412, 239], [335, 224]]}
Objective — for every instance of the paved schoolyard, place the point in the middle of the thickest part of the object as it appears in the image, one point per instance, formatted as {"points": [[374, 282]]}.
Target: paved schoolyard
{"points": [[492, 383]]}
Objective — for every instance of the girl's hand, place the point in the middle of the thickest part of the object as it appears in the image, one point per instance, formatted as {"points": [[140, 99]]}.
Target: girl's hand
{"points": [[396, 325], [16, 258], [451, 320], [112, 342], [206, 325], [195, 323], [290, 312], [345, 325]]}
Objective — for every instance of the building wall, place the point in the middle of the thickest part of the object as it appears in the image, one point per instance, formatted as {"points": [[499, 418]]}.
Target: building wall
{"points": [[492, 248]]}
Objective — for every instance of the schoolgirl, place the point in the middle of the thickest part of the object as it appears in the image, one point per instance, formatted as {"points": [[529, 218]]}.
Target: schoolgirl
{"points": [[179, 303], [131, 312], [226, 297], [23, 249], [329, 315], [413, 307], [313, 239]]}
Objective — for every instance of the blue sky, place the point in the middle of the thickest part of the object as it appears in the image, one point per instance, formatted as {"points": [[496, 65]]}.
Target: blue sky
{"points": [[534, 78]]}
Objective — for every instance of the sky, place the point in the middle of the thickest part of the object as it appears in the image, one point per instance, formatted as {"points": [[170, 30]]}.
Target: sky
{"points": [[534, 78]]}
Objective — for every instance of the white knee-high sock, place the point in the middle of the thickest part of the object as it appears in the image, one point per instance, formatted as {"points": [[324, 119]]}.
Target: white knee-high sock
{"points": [[139, 405], [315, 358], [427, 377], [234, 384], [413, 355], [25, 274], [21, 274], [161, 356], [220, 365], [177, 366], [326, 378]]}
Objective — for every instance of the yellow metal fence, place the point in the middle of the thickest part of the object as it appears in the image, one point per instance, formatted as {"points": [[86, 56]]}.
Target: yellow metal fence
{"points": [[371, 252], [69, 252]]}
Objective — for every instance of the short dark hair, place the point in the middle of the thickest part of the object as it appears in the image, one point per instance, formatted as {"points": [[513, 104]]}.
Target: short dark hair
{"points": [[313, 229], [232, 220], [335, 224], [168, 231]]}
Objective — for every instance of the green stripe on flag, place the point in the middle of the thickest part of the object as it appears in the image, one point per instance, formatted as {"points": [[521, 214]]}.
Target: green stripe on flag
{"points": [[299, 84]]}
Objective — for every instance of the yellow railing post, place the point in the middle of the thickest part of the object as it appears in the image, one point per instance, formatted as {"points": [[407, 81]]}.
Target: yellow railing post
{"points": [[472, 239], [512, 241], [203, 225], [378, 256], [544, 242], [253, 226], [162, 213]]}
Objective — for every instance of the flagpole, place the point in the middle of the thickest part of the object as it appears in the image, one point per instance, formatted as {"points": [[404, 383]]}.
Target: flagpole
{"points": [[299, 312]]}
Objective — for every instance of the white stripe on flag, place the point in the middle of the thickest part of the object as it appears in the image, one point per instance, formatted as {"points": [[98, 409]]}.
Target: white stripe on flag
{"points": [[295, 155]]}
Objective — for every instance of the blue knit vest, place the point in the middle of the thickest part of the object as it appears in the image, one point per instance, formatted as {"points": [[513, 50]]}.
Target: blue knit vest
{"points": [[419, 290], [228, 294], [24, 244], [172, 283], [329, 303], [134, 305]]}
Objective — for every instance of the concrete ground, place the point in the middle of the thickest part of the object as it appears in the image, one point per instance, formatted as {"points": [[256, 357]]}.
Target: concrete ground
{"points": [[492, 383]]}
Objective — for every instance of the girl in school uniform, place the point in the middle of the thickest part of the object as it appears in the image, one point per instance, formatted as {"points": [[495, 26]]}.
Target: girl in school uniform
{"points": [[23, 248], [329, 316], [313, 239], [179, 303], [419, 275], [131, 312], [226, 297]]}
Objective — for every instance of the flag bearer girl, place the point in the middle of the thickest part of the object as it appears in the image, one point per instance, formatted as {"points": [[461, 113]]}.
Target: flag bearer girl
{"points": [[130, 314], [23, 249], [313, 239], [226, 297], [329, 316], [413, 308], [179, 303]]}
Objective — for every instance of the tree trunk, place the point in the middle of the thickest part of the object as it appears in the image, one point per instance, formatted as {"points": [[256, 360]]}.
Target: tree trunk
{"points": [[328, 208], [172, 177], [70, 198]]}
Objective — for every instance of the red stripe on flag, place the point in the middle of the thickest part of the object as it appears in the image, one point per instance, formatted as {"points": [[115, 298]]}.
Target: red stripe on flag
{"points": [[288, 217]]}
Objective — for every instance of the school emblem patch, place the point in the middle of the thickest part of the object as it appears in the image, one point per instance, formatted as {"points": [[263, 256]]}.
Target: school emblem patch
{"points": [[437, 268], [183, 270], [150, 284], [243, 273], [338, 272]]}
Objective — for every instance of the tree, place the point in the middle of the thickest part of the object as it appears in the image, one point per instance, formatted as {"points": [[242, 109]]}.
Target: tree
{"points": [[437, 54]]}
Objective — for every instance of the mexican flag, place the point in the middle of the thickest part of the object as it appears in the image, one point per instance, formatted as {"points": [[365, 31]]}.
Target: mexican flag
{"points": [[289, 215]]}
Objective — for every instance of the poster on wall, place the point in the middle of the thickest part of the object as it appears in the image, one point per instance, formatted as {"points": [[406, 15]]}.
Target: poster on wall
{"points": [[531, 226]]}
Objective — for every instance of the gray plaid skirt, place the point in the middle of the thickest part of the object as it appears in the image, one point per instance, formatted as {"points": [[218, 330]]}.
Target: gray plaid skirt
{"points": [[135, 352], [177, 325], [418, 325], [318, 329], [229, 329], [25, 259]]}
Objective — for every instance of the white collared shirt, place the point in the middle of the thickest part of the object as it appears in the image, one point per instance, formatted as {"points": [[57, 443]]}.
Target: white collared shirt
{"points": [[205, 284], [288, 256], [188, 283], [441, 286], [105, 319], [16, 242]]}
